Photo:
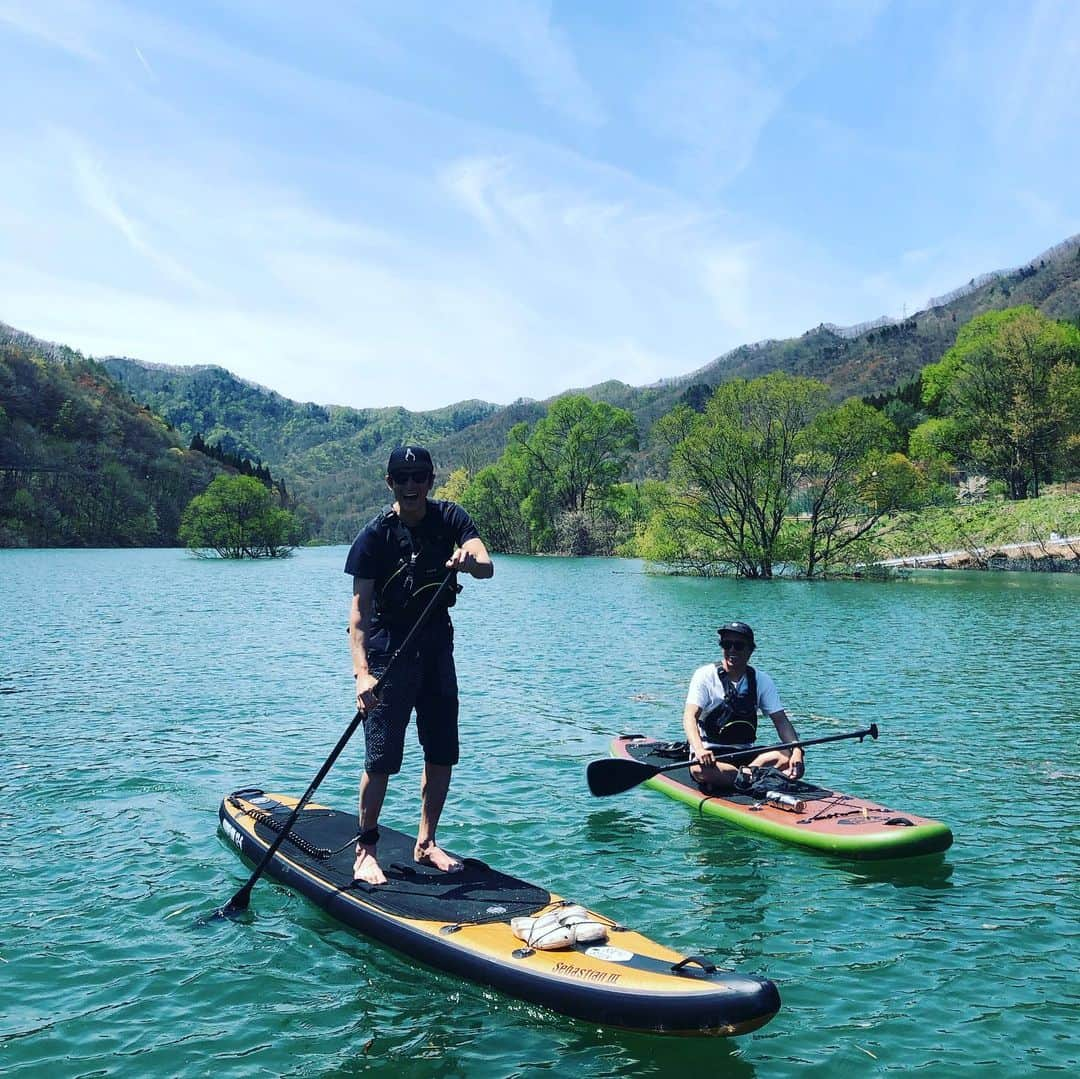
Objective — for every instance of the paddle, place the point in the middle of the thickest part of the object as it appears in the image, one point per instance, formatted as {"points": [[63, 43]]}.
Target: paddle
{"points": [[616, 774], [239, 902]]}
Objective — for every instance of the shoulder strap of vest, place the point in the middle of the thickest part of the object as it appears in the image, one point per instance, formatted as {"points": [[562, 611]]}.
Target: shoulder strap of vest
{"points": [[725, 680], [395, 530], [751, 681]]}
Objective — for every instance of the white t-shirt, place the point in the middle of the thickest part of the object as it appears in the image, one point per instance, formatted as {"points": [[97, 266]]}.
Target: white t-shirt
{"points": [[707, 691]]}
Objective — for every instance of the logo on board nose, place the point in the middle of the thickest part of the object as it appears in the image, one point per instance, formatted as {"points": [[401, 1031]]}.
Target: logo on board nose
{"points": [[409, 455]]}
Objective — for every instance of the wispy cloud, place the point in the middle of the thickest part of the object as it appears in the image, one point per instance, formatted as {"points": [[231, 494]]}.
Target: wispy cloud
{"points": [[724, 70], [58, 26], [143, 61], [524, 32], [1020, 78], [1039, 88], [506, 199], [100, 195], [470, 181]]}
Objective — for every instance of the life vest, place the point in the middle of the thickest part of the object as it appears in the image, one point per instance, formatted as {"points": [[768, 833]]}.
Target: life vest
{"points": [[734, 720], [418, 569]]}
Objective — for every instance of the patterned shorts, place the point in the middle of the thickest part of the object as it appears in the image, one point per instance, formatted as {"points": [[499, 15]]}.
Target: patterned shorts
{"points": [[424, 680]]}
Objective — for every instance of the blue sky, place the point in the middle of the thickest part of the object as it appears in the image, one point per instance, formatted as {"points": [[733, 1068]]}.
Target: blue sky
{"points": [[417, 203]]}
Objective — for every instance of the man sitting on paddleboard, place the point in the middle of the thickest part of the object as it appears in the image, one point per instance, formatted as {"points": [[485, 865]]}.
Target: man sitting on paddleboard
{"points": [[398, 563], [722, 706]]}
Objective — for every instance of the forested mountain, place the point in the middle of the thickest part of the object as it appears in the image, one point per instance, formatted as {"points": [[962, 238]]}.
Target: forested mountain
{"points": [[333, 457], [81, 464], [876, 356]]}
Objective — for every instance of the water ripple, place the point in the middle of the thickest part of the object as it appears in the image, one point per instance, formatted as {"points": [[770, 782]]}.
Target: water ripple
{"points": [[183, 680]]}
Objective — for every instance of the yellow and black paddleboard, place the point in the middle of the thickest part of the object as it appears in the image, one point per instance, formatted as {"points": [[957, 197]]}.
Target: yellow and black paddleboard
{"points": [[460, 923]]}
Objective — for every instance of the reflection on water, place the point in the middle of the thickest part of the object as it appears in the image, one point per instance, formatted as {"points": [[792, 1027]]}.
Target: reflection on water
{"points": [[931, 871]]}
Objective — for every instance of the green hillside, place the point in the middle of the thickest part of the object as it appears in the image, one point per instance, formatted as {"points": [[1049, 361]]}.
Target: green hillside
{"points": [[81, 463], [333, 457], [866, 360], [330, 456]]}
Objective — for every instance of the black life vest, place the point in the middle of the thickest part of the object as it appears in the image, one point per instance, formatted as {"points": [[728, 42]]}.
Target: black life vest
{"points": [[413, 576], [734, 720]]}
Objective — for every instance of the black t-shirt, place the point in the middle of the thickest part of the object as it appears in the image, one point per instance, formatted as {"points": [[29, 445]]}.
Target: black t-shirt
{"points": [[380, 550]]}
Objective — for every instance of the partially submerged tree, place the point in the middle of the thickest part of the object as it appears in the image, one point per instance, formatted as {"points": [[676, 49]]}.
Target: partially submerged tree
{"points": [[760, 451], [852, 480], [493, 499], [577, 452], [237, 517], [735, 468]]}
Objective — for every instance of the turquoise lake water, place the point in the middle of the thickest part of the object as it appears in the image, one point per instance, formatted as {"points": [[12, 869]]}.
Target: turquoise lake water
{"points": [[139, 687]]}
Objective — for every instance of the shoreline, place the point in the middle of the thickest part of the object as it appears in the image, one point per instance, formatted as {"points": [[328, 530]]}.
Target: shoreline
{"points": [[1060, 554]]}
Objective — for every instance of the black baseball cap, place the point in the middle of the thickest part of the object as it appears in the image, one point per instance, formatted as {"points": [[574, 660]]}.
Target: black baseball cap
{"points": [[409, 457], [737, 629]]}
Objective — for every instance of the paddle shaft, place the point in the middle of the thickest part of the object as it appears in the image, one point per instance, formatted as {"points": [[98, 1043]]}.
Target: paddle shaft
{"points": [[239, 902], [870, 731], [617, 774]]}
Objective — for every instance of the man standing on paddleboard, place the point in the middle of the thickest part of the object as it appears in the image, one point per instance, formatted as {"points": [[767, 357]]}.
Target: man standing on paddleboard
{"points": [[398, 564], [722, 706]]}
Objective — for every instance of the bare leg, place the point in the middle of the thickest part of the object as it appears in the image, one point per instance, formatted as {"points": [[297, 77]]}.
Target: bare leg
{"points": [[719, 776], [372, 793], [433, 790], [775, 758]]}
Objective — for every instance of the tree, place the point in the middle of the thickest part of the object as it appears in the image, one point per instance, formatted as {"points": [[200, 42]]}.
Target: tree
{"points": [[673, 535], [549, 490], [578, 450], [935, 444], [844, 454], [735, 467], [494, 503], [238, 518], [454, 486], [1011, 383]]}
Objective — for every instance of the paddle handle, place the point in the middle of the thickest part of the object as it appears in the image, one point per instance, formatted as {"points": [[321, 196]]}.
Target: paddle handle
{"points": [[240, 901], [869, 732]]}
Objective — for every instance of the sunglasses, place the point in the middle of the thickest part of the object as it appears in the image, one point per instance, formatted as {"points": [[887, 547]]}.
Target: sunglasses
{"points": [[734, 646], [420, 475]]}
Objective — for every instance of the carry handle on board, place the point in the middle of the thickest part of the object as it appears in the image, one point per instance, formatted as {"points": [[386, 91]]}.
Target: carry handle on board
{"points": [[617, 774], [240, 901]]}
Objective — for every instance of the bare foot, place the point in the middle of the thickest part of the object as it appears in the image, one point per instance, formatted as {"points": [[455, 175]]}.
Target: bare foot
{"points": [[428, 853], [366, 868]]}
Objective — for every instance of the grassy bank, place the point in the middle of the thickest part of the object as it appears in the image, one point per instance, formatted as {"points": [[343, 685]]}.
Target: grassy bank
{"points": [[984, 524]]}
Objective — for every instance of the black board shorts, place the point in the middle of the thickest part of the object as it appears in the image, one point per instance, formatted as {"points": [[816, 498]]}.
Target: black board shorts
{"points": [[425, 680]]}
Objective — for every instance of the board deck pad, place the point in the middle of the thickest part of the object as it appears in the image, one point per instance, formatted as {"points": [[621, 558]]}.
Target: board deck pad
{"points": [[413, 891], [831, 821]]}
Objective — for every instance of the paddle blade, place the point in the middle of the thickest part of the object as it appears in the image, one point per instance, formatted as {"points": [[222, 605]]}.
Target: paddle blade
{"points": [[238, 904], [614, 775]]}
